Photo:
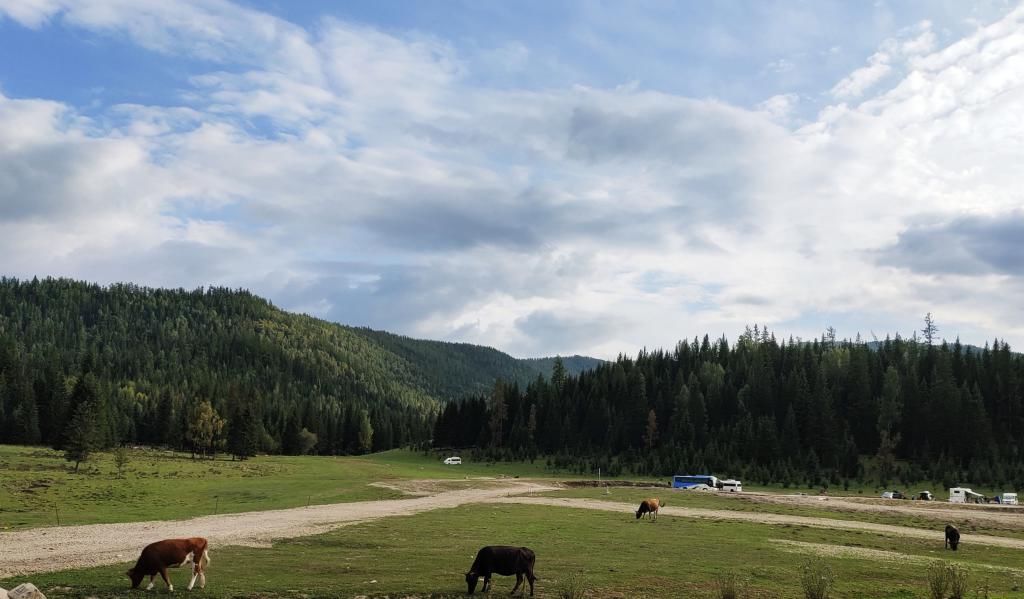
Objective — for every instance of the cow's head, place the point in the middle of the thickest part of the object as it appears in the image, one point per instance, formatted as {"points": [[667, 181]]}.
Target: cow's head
{"points": [[136, 578], [471, 580]]}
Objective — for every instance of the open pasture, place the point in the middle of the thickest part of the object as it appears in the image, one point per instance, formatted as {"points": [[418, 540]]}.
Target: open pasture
{"points": [[618, 556], [37, 486], [1000, 521]]}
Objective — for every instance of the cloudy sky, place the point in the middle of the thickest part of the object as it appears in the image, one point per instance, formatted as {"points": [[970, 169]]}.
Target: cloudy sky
{"points": [[543, 177]]}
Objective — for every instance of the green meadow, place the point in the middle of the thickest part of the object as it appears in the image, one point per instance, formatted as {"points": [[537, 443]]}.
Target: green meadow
{"points": [[37, 486], [614, 554]]}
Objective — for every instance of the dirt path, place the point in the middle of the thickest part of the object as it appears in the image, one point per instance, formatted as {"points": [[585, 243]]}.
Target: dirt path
{"points": [[1008, 517], [763, 518], [67, 547]]}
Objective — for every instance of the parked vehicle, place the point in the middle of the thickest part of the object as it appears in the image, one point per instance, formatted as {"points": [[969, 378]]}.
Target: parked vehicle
{"points": [[692, 481], [964, 495], [893, 495], [1009, 499], [732, 486], [453, 461], [924, 495]]}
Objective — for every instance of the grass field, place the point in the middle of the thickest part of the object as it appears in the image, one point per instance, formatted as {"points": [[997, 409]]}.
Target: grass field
{"points": [[37, 486], [427, 554], [967, 523]]}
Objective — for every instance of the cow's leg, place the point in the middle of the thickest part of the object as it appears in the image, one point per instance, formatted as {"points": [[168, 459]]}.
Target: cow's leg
{"points": [[167, 581], [519, 581], [487, 582], [195, 575], [151, 577], [530, 578], [202, 580]]}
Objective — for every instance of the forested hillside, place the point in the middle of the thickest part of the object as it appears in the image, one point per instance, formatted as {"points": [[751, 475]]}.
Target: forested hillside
{"points": [[205, 368], [803, 413]]}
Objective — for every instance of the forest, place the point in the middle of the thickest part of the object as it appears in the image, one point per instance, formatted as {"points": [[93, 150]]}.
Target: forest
{"points": [[818, 413], [84, 367], [216, 369]]}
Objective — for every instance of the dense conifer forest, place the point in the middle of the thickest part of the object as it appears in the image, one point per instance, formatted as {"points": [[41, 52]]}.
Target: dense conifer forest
{"points": [[804, 413], [84, 366]]}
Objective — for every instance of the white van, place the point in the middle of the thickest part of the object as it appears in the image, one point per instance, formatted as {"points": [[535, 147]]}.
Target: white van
{"points": [[1009, 499], [453, 461], [732, 486]]}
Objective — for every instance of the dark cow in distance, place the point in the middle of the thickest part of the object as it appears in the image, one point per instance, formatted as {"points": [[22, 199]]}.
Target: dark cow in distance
{"points": [[649, 506], [952, 537], [171, 553], [504, 560]]}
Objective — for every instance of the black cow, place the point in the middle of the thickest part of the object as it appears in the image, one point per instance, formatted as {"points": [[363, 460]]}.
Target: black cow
{"points": [[952, 537], [504, 560]]}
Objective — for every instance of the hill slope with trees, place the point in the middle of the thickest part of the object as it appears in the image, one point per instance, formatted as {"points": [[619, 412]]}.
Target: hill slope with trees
{"points": [[91, 366]]}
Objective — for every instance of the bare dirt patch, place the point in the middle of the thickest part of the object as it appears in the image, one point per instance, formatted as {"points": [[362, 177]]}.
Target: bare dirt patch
{"points": [[67, 547]]}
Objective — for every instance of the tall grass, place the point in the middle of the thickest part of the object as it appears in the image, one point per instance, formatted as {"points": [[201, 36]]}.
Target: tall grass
{"points": [[938, 580], [816, 578], [573, 586], [728, 586]]}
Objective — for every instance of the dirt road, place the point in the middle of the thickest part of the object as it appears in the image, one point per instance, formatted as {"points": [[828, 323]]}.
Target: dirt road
{"points": [[763, 518], [62, 548], [67, 547], [1000, 516]]}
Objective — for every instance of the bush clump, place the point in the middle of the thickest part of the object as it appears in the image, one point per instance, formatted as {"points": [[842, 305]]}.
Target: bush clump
{"points": [[816, 578]]}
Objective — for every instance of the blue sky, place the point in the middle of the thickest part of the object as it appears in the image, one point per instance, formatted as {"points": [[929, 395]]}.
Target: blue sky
{"points": [[542, 177]]}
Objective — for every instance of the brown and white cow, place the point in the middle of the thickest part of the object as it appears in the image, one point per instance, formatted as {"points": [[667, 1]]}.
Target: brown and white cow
{"points": [[649, 506], [171, 553]]}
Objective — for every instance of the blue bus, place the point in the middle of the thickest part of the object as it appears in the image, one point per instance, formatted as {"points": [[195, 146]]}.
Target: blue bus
{"points": [[688, 481]]}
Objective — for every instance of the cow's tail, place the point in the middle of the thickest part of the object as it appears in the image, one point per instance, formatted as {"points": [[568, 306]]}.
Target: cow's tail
{"points": [[206, 556]]}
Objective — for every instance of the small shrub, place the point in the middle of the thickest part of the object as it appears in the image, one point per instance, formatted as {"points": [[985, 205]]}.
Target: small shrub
{"points": [[938, 580], [958, 576], [728, 586], [573, 586], [816, 578]]}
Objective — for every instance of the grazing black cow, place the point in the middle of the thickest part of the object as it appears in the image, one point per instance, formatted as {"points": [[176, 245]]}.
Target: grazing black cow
{"points": [[504, 560], [952, 537]]}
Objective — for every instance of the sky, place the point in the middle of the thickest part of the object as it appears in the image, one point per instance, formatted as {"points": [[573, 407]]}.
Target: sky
{"points": [[589, 177]]}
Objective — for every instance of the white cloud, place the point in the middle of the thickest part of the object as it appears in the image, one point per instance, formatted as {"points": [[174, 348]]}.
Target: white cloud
{"points": [[390, 190]]}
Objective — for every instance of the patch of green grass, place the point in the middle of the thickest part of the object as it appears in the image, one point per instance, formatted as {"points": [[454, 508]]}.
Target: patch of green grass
{"points": [[823, 509], [427, 555], [37, 486]]}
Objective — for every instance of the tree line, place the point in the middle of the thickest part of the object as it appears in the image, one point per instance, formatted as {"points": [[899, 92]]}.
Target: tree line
{"points": [[793, 412]]}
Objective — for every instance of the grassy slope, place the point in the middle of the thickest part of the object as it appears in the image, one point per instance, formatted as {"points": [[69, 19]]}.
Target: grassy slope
{"points": [[426, 555], [33, 480]]}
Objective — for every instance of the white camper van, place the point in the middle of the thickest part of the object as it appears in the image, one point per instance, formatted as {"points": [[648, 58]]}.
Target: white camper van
{"points": [[1009, 499], [732, 486], [964, 495]]}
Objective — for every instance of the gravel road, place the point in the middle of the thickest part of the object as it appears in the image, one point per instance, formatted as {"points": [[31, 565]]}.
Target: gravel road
{"points": [[67, 547]]}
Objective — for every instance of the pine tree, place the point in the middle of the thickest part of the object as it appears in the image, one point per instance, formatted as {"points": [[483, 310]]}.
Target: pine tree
{"points": [[81, 438]]}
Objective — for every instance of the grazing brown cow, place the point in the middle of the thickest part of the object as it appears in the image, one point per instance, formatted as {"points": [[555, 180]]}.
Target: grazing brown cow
{"points": [[649, 506], [952, 537], [504, 560], [171, 553]]}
